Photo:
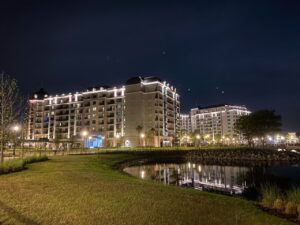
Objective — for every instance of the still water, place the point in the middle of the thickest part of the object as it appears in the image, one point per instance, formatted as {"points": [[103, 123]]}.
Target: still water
{"points": [[233, 180]]}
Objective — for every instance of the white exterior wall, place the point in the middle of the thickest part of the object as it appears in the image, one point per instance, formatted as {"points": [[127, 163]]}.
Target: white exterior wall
{"points": [[113, 113], [217, 120], [98, 111], [185, 123]]}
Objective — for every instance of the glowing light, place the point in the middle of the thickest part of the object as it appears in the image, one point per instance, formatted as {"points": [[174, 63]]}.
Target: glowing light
{"points": [[84, 133], [199, 168], [198, 136], [270, 138], [142, 135], [16, 128]]}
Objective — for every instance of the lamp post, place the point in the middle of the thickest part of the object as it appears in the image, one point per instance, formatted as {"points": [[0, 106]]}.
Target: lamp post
{"points": [[15, 130], [142, 137], [103, 141], [84, 134], [118, 138], [198, 140]]}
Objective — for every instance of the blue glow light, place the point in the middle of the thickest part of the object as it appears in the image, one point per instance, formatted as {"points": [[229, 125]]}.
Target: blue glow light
{"points": [[94, 142]]}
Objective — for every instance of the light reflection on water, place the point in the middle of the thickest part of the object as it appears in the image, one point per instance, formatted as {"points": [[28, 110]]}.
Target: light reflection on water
{"points": [[226, 179]]}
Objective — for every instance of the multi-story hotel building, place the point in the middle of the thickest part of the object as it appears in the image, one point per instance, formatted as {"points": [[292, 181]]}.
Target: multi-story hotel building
{"points": [[111, 113], [217, 120], [152, 105], [185, 123]]}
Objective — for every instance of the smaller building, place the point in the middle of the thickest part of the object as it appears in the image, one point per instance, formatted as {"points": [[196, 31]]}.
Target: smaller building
{"points": [[217, 121], [185, 123], [291, 138]]}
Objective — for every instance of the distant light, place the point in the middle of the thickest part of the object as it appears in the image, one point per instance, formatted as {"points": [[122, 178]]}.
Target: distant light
{"points": [[199, 168], [84, 133], [270, 138], [16, 128], [142, 135]]}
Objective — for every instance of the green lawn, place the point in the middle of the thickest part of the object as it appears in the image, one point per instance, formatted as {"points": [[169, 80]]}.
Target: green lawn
{"points": [[84, 189]]}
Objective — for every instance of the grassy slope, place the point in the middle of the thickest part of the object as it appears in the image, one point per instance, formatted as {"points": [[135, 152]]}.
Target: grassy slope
{"points": [[85, 190]]}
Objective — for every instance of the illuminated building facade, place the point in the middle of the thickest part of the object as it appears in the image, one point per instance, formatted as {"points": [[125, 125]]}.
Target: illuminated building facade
{"points": [[98, 110], [185, 123], [152, 105], [111, 113], [217, 120]]}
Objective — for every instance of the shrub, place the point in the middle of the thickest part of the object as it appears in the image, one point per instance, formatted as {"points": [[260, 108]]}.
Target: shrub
{"points": [[35, 158], [279, 204], [269, 195], [290, 208], [12, 166], [294, 196], [19, 164]]}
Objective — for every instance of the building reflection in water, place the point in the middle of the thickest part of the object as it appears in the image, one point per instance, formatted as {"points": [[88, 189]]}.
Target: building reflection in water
{"points": [[226, 179]]}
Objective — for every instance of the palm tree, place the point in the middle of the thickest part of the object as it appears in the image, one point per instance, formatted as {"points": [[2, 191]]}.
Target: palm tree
{"points": [[150, 135], [139, 129]]}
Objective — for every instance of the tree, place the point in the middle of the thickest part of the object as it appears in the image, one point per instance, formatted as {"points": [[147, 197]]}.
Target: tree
{"points": [[10, 108], [139, 129], [258, 124], [72, 141], [150, 136]]}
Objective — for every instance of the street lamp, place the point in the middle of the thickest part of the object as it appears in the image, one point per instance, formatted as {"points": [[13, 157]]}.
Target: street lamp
{"points": [[142, 137], [15, 129], [198, 139], [117, 142], [84, 134]]}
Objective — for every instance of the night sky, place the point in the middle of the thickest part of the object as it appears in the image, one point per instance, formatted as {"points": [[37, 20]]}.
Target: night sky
{"points": [[239, 52]]}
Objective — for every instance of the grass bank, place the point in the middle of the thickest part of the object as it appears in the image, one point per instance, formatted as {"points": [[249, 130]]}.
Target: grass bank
{"points": [[15, 165], [85, 189]]}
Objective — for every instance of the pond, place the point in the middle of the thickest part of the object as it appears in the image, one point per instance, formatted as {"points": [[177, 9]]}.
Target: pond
{"points": [[232, 180]]}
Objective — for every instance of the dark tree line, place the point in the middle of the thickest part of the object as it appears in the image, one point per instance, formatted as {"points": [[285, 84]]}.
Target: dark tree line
{"points": [[258, 124]]}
